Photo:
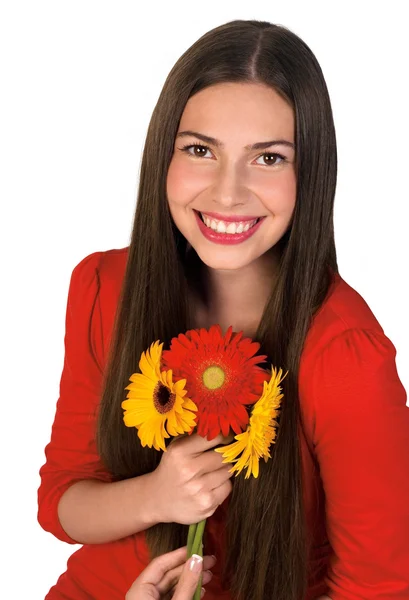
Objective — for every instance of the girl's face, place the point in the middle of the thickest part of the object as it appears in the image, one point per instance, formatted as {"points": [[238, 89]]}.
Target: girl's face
{"points": [[233, 163]]}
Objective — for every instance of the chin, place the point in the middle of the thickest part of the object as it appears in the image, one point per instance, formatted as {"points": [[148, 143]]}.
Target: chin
{"points": [[220, 260]]}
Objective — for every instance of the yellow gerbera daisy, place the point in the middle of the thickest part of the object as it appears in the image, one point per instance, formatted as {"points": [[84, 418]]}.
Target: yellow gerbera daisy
{"points": [[254, 443], [156, 405]]}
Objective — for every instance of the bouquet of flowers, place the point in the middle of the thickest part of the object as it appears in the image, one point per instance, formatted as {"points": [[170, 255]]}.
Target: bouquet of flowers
{"points": [[209, 383]]}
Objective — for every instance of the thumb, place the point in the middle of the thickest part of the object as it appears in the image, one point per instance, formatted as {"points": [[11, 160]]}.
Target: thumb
{"points": [[189, 579]]}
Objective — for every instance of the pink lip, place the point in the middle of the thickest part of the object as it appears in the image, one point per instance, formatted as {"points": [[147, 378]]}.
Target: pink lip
{"points": [[230, 218], [226, 238]]}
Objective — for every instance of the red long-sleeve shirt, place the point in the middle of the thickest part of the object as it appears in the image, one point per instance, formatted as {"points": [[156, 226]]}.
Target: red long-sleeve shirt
{"points": [[355, 449]]}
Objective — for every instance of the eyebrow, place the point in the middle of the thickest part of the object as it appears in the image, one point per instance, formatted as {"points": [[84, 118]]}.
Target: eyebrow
{"points": [[219, 144]]}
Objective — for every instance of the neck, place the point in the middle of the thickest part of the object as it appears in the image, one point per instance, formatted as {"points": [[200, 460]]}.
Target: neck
{"points": [[237, 297]]}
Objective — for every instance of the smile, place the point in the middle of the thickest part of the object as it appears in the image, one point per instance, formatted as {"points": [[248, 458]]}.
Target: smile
{"points": [[229, 227], [227, 232]]}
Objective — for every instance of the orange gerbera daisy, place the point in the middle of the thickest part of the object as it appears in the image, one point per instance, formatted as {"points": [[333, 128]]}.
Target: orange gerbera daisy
{"points": [[222, 374]]}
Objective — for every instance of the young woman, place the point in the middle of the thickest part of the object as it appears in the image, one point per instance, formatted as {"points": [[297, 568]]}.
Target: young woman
{"points": [[234, 225]]}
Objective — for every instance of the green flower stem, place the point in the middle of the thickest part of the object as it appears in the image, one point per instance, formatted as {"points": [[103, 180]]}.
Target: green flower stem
{"points": [[197, 547], [198, 591], [190, 538]]}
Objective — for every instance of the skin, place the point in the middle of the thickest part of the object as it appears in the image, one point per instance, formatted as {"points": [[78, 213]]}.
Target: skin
{"points": [[168, 572], [233, 180]]}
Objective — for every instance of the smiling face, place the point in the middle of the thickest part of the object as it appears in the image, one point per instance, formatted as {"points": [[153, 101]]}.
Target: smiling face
{"points": [[231, 191]]}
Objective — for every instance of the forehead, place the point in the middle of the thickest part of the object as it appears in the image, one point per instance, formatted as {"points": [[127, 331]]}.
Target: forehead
{"points": [[248, 107]]}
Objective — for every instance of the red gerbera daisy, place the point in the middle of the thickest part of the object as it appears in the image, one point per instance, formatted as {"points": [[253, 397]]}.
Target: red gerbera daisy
{"points": [[222, 376]]}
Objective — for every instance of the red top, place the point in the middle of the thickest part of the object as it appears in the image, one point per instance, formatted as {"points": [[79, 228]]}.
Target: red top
{"points": [[355, 449]]}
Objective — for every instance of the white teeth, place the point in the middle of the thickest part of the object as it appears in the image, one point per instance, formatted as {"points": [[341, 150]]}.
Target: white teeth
{"points": [[227, 227]]}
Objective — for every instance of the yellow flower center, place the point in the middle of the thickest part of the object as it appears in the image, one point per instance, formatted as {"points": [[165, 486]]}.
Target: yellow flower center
{"points": [[163, 399], [213, 377]]}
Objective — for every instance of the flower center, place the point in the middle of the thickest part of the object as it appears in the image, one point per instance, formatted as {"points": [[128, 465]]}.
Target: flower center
{"points": [[163, 399], [213, 377]]}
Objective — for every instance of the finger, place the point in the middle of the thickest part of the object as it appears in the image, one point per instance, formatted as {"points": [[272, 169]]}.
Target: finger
{"points": [[221, 493], [172, 577], [209, 562], [159, 566], [215, 479], [189, 579], [206, 578], [169, 580], [209, 461], [196, 443], [147, 591]]}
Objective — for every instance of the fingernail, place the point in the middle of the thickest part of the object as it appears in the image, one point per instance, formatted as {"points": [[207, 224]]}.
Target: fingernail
{"points": [[202, 593], [213, 556], [195, 563]]}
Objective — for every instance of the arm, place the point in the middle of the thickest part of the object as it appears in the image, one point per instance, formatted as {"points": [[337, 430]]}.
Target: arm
{"points": [[88, 510], [362, 446], [77, 500]]}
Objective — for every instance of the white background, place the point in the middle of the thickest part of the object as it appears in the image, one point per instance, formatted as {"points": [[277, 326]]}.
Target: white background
{"points": [[79, 81]]}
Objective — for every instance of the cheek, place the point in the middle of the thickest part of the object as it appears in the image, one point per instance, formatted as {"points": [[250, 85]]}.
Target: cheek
{"points": [[173, 182], [183, 182], [281, 196]]}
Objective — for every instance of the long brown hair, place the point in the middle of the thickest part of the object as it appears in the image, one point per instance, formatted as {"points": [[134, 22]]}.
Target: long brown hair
{"points": [[153, 303]]}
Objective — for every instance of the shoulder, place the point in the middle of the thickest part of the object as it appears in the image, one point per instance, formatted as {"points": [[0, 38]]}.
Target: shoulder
{"points": [[112, 265], [95, 287], [343, 312], [100, 273], [108, 265], [346, 354], [344, 329]]}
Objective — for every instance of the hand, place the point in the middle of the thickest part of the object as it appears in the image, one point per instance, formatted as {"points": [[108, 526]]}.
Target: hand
{"points": [[165, 571], [191, 480]]}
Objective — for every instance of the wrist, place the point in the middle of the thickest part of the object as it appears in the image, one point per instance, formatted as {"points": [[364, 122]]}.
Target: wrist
{"points": [[150, 499]]}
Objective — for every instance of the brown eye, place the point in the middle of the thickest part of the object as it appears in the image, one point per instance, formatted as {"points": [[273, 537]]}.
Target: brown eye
{"points": [[271, 159], [198, 150]]}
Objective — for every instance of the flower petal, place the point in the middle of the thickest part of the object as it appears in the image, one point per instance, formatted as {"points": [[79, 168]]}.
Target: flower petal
{"points": [[143, 410]]}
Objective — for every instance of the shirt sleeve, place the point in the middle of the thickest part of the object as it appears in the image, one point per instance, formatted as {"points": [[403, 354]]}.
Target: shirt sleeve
{"points": [[71, 454], [362, 447]]}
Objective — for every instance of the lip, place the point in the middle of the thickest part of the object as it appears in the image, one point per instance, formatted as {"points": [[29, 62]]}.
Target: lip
{"points": [[226, 238], [230, 218]]}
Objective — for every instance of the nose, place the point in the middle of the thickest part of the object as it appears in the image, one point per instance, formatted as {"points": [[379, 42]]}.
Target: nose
{"points": [[229, 189]]}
